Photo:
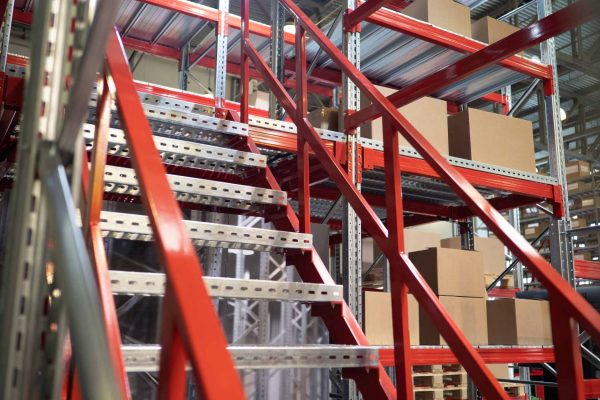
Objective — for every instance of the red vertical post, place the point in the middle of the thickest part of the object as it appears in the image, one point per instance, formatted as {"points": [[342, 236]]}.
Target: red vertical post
{"points": [[245, 63], [567, 353], [94, 192], [172, 377], [301, 112], [395, 225]]}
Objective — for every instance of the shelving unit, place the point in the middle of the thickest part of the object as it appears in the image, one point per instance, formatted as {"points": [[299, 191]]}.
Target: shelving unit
{"points": [[205, 178]]}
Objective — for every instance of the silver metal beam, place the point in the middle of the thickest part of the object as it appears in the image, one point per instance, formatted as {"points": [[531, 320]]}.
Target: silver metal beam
{"points": [[153, 284]]}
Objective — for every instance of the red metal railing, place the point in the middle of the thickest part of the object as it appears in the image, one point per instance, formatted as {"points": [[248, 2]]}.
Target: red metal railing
{"points": [[190, 326], [567, 306]]}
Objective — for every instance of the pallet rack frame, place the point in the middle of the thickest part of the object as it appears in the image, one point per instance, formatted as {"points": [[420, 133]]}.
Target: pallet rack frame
{"points": [[304, 24]]}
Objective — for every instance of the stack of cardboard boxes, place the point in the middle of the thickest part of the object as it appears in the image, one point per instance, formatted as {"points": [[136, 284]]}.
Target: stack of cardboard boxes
{"points": [[583, 200], [457, 277]]}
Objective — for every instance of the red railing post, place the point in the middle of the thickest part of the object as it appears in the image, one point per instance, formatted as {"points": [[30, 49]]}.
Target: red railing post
{"points": [[399, 290], [302, 110], [245, 63], [565, 336], [172, 376]]}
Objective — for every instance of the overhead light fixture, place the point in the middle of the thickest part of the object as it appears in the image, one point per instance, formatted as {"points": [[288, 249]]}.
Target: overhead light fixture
{"points": [[290, 27], [563, 114]]}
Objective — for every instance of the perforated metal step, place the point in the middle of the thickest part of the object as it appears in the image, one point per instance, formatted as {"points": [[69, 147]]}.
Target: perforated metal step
{"points": [[202, 191], [137, 227], [144, 358], [184, 153], [153, 284]]}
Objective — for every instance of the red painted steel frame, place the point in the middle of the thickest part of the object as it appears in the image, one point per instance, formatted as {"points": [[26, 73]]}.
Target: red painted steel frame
{"points": [[93, 193], [559, 289], [561, 21], [395, 225], [189, 319], [469, 358]]}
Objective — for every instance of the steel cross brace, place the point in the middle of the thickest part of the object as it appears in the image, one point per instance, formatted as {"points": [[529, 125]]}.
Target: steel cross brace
{"points": [[190, 324], [560, 21], [574, 304]]}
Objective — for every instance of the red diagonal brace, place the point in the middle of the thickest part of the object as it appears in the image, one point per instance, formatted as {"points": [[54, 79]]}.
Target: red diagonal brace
{"points": [[191, 308], [552, 25], [367, 8]]}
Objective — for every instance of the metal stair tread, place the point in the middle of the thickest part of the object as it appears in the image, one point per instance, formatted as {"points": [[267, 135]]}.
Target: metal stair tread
{"points": [[145, 358], [184, 153], [137, 227], [153, 284], [195, 190]]}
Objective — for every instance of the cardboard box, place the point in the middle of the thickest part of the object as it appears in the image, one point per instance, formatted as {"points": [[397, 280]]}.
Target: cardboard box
{"points": [[445, 14], [378, 318], [533, 229], [586, 202], [500, 371], [414, 240], [490, 30], [469, 313], [577, 169], [428, 115], [324, 118], [579, 186], [518, 322], [492, 139], [451, 272], [585, 256], [578, 222], [491, 249], [259, 99]]}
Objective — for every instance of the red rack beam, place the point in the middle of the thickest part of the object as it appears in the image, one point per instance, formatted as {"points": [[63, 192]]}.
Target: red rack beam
{"points": [[428, 356], [367, 8], [587, 269]]}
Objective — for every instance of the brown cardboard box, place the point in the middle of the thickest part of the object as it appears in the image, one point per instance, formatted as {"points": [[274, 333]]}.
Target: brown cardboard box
{"points": [[586, 202], [577, 169], [469, 313], [490, 30], [414, 240], [578, 222], [518, 322], [579, 186], [491, 249], [259, 99], [378, 318], [533, 229], [586, 256], [492, 139], [324, 118], [451, 272], [500, 371], [428, 115], [445, 14]]}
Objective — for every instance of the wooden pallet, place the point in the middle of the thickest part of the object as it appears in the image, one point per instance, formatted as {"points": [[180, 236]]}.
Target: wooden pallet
{"points": [[441, 393], [437, 369], [514, 389], [440, 379]]}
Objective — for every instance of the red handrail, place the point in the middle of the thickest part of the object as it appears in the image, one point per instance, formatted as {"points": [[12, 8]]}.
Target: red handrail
{"points": [[190, 323]]}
